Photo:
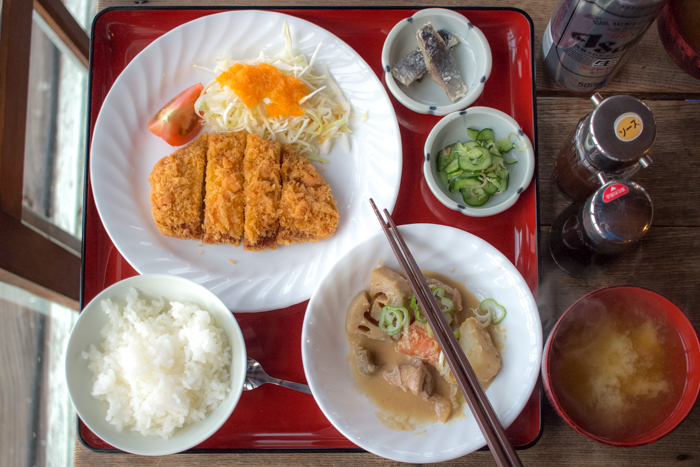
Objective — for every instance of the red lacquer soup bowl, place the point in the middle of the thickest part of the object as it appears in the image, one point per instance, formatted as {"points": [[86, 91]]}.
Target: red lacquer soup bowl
{"points": [[622, 366], [679, 30]]}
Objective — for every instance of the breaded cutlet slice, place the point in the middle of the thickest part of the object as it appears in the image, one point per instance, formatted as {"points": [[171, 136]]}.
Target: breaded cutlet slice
{"points": [[176, 191], [224, 199], [308, 212], [261, 170]]}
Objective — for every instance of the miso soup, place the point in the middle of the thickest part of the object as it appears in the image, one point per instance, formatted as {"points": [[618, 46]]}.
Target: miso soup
{"points": [[618, 369]]}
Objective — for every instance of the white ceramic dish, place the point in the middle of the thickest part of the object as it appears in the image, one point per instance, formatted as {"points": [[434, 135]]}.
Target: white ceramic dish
{"points": [[87, 331], [472, 56], [453, 128], [464, 258], [124, 152]]}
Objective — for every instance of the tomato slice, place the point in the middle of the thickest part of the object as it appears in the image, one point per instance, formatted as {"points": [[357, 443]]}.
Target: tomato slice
{"points": [[177, 122]]}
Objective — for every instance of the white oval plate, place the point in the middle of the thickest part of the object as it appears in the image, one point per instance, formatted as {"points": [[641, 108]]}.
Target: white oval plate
{"points": [[124, 152], [463, 257]]}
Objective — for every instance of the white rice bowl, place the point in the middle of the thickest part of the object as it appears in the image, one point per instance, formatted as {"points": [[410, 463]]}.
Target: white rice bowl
{"points": [[155, 364], [159, 369]]}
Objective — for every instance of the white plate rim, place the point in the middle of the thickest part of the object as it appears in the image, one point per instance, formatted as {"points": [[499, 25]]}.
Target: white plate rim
{"points": [[361, 226]]}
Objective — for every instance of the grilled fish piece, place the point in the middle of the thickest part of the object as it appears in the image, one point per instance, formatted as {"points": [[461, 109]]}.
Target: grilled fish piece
{"points": [[412, 66], [440, 64]]}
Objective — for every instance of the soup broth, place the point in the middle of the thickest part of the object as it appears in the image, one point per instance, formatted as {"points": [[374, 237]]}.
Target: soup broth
{"points": [[617, 373], [398, 409]]}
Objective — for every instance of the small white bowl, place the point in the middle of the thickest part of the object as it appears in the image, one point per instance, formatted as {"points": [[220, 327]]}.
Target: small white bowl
{"points": [[453, 128], [464, 258], [87, 331], [472, 56]]}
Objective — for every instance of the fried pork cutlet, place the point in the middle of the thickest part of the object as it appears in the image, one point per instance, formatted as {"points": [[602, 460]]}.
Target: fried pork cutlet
{"points": [[224, 201], [308, 212], [261, 169], [176, 191]]}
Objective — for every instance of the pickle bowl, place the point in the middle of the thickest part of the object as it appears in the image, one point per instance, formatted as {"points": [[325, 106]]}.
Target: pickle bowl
{"points": [[471, 55], [518, 161]]}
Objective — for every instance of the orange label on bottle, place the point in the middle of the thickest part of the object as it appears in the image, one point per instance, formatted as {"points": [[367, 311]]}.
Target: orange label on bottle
{"points": [[628, 126]]}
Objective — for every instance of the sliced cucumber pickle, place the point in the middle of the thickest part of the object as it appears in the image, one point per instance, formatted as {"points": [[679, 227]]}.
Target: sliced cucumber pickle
{"points": [[460, 183], [479, 200], [475, 159], [492, 187], [443, 160], [504, 145], [453, 166], [476, 168], [485, 135]]}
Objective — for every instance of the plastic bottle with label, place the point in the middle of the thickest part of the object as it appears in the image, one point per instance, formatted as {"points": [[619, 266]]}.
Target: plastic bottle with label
{"points": [[587, 41], [610, 143], [587, 238]]}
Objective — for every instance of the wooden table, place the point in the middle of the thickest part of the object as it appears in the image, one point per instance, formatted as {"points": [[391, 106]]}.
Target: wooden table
{"points": [[668, 260]]}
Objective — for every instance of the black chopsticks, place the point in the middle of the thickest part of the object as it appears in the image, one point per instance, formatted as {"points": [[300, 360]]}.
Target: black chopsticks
{"points": [[479, 404]]}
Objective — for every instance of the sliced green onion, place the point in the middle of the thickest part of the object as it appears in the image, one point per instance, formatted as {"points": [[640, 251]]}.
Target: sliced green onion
{"points": [[483, 319], [496, 311], [446, 304], [392, 319], [417, 312]]}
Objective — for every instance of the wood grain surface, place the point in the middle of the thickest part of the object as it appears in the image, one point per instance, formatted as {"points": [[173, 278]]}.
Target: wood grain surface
{"points": [[667, 260], [18, 354], [648, 70]]}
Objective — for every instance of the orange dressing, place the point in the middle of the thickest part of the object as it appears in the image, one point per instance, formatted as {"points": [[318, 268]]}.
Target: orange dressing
{"points": [[253, 83]]}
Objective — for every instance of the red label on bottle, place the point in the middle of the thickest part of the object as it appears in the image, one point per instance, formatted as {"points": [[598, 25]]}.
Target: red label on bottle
{"points": [[614, 191]]}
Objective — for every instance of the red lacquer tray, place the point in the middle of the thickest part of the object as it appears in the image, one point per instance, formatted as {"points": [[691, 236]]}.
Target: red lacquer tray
{"points": [[275, 418]]}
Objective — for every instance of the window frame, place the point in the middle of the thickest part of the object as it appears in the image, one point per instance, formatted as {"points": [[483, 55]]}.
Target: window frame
{"points": [[33, 254]]}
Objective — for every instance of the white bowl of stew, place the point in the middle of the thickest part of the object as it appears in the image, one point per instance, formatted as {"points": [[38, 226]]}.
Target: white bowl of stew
{"points": [[470, 264]]}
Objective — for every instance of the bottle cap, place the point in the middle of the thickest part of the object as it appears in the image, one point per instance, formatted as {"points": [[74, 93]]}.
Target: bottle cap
{"points": [[617, 215], [622, 130]]}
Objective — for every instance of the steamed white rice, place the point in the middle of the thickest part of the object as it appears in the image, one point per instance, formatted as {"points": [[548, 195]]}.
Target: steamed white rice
{"points": [[157, 370]]}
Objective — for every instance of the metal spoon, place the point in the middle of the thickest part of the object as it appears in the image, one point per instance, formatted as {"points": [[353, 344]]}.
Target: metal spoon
{"points": [[256, 376]]}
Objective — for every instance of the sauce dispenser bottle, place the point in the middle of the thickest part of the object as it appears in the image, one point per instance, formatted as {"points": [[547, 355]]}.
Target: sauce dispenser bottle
{"points": [[587, 238], [610, 143]]}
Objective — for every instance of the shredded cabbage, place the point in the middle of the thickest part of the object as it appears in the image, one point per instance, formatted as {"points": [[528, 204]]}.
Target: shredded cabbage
{"points": [[326, 111]]}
